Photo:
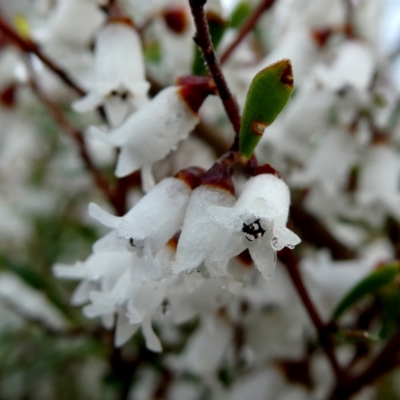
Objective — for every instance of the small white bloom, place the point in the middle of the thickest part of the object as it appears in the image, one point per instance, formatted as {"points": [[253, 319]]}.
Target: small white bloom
{"points": [[149, 134], [257, 222], [119, 73], [152, 221], [200, 233]]}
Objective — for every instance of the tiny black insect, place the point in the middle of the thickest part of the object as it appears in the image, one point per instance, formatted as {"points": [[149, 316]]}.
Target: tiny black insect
{"points": [[253, 231]]}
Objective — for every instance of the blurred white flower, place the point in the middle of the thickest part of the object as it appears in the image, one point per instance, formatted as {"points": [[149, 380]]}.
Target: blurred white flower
{"points": [[119, 80], [152, 222], [152, 132]]}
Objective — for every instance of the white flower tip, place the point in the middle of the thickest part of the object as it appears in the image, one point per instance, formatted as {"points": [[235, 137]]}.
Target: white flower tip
{"points": [[178, 267], [103, 216]]}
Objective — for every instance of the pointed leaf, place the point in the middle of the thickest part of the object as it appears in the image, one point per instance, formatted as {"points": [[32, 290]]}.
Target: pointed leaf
{"points": [[239, 14], [268, 94], [370, 284]]}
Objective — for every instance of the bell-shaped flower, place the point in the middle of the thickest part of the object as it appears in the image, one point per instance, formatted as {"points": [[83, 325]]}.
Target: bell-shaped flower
{"points": [[119, 81], [155, 129], [200, 233], [257, 222], [153, 221], [100, 271]]}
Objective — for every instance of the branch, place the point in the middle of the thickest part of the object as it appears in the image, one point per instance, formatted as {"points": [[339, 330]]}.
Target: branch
{"points": [[203, 40], [289, 260], [77, 137], [313, 231], [385, 361], [247, 27], [30, 47]]}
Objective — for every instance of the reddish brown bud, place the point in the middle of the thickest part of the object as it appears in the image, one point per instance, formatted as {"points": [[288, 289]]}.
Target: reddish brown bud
{"points": [[7, 97], [194, 90], [220, 175], [116, 15], [191, 176], [321, 36], [176, 18], [266, 169], [379, 138]]}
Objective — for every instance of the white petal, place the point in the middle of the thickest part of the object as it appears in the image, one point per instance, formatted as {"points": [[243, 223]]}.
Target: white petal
{"points": [[264, 257], [152, 341], [81, 293], [103, 216], [127, 163], [147, 177], [124, 330], [200, 233], [88, 103], [285, 237]]}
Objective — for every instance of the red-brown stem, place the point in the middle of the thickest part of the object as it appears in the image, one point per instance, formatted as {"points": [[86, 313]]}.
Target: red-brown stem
{"points": [[384, 362], [203, 40], [246, 28], [289, 260], [30, 47], [77, 137]]}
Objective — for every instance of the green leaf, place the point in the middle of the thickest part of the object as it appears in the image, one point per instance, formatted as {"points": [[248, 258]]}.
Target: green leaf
{"points": [[217, 27], [268, 94], [239, 14], [370, 284]]}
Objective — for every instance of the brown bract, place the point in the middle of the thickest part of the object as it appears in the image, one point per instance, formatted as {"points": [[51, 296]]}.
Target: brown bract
{"points": [[7, 96], [117, 15], [176, 18], [194, 90], [191, 176], [220, 176], [215, 19], [266, 169]]}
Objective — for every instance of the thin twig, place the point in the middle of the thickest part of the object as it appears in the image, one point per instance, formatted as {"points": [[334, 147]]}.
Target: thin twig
{"points": [[289, 260], [30, 47], [247, 27], [385, 361], [313, 231], [101, 182], [203, 40]]}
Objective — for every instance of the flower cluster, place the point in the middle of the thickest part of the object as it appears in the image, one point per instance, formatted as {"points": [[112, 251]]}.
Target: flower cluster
{"points": [[195, 243]]}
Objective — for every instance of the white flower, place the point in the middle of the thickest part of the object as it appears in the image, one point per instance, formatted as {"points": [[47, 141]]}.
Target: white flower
{"points": [[152, 222], [119, 73], [257, 222], [72, 22], [200, 233], [149, 134]]}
